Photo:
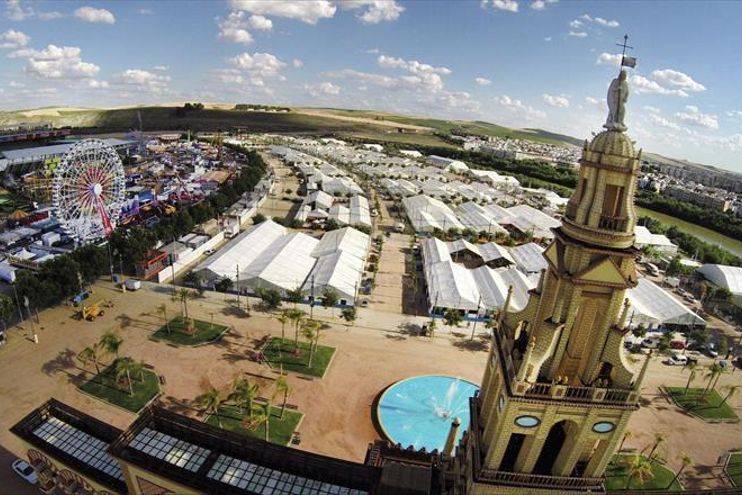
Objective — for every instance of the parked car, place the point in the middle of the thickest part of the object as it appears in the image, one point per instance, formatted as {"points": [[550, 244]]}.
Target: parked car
{"points": [[133, 284], [25, 471], [711, 351], [677, 344], [209, 252], [677, 359]]}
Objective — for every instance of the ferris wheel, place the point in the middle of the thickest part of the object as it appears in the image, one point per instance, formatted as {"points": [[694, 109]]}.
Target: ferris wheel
{"points": [[88, 190]]}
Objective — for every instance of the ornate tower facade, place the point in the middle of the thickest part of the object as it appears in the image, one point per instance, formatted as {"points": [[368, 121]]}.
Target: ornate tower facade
{"points": [[558, 390]]}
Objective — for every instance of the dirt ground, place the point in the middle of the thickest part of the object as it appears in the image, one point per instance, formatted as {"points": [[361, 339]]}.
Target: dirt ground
{"points": [[275, 205], [374, 353]]}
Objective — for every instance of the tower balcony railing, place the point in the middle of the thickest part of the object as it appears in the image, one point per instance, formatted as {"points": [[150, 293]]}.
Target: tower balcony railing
{"points": [[541, 481], [553, 391], [609, 222]]}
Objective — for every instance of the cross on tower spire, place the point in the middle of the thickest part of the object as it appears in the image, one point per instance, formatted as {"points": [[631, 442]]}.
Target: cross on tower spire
{"points": [[626, 61]]}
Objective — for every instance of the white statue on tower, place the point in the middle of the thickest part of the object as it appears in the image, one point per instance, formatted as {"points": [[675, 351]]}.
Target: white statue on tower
{"points": [[618, 93]]}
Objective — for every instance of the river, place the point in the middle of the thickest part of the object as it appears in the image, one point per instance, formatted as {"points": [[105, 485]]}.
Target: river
{"points": [[708, 235]]}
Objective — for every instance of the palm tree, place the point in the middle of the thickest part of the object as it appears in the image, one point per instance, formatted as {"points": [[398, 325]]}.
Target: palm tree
{"points": [[692, 368], [210, 401], [262, 417], [659, 439], [626, 436], [685, 462], [639, 467], [243, 394], [110, 342], [310, 330], [6, 309], [731, 391], [124, 368], [184, 295], [137, 368], [297, 316], [283, 387], [90, 354], [162, 309], [283, 318], [714, 371]]}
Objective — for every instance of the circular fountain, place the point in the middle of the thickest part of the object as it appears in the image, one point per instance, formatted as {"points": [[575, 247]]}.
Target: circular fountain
{"points": [[418, 411]]}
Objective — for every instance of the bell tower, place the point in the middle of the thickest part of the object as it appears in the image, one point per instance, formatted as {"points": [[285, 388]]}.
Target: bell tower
{"points": [[558, 389]]}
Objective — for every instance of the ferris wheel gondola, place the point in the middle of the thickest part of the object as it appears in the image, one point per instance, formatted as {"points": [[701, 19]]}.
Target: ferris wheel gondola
{"points": [[88, 190]]}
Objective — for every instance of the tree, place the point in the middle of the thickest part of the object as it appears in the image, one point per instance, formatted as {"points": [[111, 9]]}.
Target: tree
{"points": [[258, 218], [349, 315], [184, 295], [243, 394], [659, 439], [625, 437], [731, 391], [685, 461], [639, 467], [692, 376], [124, 368], [452, 317], [713, 372], [90, 354], [262, 417], [283, 318], [210, 401], [294, 296], [639, 331], [6, 309], [283, 387], [224, 285], [330, 297], [331, 224], [297, 316], [432, 327], [162, 309], [270, 297], [664, 342], [723, 346], [110, 343], [311, 331]]}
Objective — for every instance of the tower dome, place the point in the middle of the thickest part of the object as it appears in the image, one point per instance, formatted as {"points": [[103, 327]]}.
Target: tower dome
{"points": [[612, 142]]}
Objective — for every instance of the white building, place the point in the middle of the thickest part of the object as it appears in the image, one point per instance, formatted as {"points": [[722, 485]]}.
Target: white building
{"points": [[659, 242], [728, 277], [653, 306], [447, 164]]}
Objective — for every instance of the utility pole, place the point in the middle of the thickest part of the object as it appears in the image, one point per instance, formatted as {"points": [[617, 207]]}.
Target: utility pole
{"points": [[476, 318]]}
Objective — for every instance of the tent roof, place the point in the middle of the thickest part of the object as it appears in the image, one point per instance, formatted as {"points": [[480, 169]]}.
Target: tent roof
{"points": [[286, 263], [529, 257], [346, 239], [451, 285], [729, 277], [339, 270], [493, 286], [651, 304]]}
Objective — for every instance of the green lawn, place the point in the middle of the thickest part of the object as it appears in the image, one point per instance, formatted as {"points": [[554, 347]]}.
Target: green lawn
{"points": [[708, 408], [616, 477], [734, 468], [205, 332], [280, 430], [298, 362], [105, 387]]}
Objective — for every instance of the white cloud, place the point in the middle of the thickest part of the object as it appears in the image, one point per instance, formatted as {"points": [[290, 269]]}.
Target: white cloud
{"points": [[600, 20], [96, 84], [733, 113], [482, 81], [15, 84], [322, 89], [458, 101], [578, 34], [576, 24], [260, 23], [676, 79], [609, 59], [146, 11], [593, 101], [651, 109], [376, 10], [258, 65], [15, 11], [91, 14], [644, 85], [12, 39], [412, 66], [161, 68], [412, 82], [144, 80], [541, 4], [308, 11], [694, 116], [506, 5], [297, 63], [547, 39], [233, 28], [556, 101], [518, 107], [663, 122], [55, 62]]}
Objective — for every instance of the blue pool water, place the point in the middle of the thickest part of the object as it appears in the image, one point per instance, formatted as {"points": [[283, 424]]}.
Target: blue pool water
{"points": [[418, 411]]}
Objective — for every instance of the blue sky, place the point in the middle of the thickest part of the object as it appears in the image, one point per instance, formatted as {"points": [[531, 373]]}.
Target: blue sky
{"points": [[520, 63]]}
